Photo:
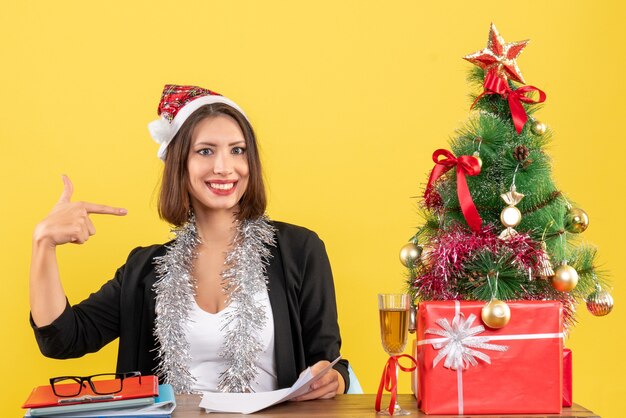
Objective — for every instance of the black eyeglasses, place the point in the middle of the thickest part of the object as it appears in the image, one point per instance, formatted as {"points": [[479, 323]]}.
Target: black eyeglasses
{"points": [[100, 384]]}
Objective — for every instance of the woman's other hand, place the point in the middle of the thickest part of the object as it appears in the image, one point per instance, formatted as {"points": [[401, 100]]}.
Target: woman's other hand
{"points": [[327, 386]]}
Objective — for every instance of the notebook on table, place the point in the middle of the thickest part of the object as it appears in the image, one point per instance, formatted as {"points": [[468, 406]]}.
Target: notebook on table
{"points": [[161, 406], [43, 396]]}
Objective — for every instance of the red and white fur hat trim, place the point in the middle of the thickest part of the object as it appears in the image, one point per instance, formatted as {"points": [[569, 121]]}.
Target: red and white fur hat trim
{"points": [[176, 105]]}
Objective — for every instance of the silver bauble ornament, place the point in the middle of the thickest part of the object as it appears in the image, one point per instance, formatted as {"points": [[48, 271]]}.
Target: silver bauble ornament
{"points": [[576, 220], [410, 254], [496, 314], [565, 278], [599, 302]]}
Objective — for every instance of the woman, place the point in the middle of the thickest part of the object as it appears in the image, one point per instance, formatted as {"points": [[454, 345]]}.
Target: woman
{"points": [[235, 303]]}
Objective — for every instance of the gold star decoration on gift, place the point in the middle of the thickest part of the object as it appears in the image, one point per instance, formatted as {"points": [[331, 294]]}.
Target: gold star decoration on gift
{"points": [[499, 56]]}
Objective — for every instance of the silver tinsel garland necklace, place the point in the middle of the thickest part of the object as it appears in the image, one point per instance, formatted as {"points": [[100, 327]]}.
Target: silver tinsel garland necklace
{"points": [[246, 275], [175, 290]]}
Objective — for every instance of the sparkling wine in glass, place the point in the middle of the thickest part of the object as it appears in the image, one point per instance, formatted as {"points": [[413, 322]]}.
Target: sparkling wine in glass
{"points": [[394, 323]]}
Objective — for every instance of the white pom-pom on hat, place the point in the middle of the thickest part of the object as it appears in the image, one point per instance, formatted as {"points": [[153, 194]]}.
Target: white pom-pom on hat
{"points": [[162, 132]]}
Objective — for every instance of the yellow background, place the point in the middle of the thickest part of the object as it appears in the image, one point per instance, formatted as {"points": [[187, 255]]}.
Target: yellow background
{"points": [[349, 100]]}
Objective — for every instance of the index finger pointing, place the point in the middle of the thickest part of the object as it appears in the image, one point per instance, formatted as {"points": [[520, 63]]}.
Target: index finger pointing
{"points": [[104, 209]]}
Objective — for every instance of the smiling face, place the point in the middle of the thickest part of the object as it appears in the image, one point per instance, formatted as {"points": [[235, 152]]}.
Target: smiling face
{"points": [[176, 194], [217, 165]]}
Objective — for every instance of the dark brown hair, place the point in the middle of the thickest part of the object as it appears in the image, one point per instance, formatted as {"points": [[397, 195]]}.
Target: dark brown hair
{"points": [[174, 201]]}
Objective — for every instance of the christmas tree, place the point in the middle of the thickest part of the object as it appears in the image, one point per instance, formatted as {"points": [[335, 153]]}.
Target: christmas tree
{"points": [[496, 226]]}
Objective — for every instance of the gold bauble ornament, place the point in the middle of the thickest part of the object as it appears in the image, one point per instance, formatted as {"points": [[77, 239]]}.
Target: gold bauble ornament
{"points": [[576, 220], [410, 254], [510, 216], [599, 302], [565, 278], [496, 314], [538, 128], [477, 156]]}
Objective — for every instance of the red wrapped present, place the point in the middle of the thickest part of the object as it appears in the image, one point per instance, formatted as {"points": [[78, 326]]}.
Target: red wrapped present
{"points": [[465, 367], [567, 377]]}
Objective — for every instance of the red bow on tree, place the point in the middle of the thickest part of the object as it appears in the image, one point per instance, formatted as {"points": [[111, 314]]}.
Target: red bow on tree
{"points": [[465, 165], [495, 84]]}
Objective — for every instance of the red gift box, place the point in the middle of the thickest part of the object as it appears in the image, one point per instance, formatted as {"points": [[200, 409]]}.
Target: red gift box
{"points": [[567, 377], [568, 398], [517, 369]]}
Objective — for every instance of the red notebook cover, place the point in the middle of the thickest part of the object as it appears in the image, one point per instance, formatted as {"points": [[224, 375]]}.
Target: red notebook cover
{"points": [[43, 396]]}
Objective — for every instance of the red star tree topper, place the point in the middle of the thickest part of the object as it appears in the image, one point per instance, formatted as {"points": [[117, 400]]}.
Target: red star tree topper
{"points": [[499, 57]]}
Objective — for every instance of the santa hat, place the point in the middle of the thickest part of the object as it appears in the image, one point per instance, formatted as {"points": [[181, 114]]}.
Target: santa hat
{"points": [[176, 105]]}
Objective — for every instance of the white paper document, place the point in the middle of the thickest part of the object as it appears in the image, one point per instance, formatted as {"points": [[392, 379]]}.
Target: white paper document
{"points": [[247, 403]]}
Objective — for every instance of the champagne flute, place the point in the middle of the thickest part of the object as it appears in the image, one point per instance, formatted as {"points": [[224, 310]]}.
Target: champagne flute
{"points": [[394, 323]]}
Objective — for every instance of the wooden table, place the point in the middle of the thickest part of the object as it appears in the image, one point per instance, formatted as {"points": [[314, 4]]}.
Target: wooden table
{"points": [[349, 406]]}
